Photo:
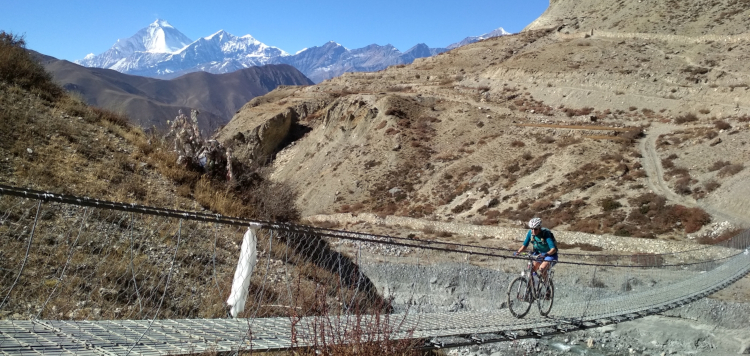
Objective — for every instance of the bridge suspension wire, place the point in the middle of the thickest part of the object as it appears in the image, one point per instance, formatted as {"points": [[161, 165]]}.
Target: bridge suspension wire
{"points": [[79, 275]]}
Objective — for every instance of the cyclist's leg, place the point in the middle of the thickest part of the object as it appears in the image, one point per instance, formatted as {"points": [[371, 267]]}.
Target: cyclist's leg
{"points": [[535, 266], [547, 264], [543, 270]]}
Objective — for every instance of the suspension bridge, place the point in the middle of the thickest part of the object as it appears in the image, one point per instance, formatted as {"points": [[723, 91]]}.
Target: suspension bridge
{"points": [[84, 276]]}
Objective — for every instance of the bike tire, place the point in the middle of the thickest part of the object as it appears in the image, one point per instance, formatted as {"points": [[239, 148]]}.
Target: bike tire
{"points": [[520, 297], [543, 302]]}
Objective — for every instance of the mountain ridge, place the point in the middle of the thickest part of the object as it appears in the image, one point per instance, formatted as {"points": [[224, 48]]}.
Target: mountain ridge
{"points": [[150, 102], [148, 53]]}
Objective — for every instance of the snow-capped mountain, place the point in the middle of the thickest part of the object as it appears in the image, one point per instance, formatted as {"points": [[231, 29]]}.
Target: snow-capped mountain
{"points": [[495, 33], [156, 41], [161, 51], [333, 59]]}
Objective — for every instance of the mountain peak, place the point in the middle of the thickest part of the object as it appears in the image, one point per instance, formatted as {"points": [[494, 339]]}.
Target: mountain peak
{"points": [[495, 33], [161, 23], [220, 33], [158, 37]]}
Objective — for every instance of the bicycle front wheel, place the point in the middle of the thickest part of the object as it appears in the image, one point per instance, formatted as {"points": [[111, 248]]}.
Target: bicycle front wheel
{"points": [[546, 297], [520, 297]]}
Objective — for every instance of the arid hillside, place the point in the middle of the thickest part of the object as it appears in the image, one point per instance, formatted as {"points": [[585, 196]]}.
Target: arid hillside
{"points": [[630, 131], [674, 17]]}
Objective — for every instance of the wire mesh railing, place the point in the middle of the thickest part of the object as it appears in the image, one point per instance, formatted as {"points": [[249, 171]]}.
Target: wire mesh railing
{"points": [[124, 275]]}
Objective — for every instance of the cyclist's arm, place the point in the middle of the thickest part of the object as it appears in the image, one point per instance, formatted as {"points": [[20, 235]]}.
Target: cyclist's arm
{"points": [[525, 242], [553, 248]]}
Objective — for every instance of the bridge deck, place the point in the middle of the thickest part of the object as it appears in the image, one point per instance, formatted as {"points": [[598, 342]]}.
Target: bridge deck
{"points": [[107, 337]]}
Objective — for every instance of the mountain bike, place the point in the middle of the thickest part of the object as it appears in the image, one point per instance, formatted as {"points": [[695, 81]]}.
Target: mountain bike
{"points": [[528, 288]]}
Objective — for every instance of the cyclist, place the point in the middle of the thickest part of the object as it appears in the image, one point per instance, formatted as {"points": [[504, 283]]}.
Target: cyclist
{"points": [[543, 244]]}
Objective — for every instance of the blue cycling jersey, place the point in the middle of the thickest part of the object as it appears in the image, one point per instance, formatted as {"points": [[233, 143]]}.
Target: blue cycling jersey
{"points": [[541, 244]]}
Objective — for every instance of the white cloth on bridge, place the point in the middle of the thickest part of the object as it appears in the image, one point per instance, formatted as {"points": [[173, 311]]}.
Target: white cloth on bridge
{"points": [[245, 266]]}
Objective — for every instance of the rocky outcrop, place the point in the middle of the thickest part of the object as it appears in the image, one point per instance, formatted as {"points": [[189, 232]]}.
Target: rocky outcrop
{"points": [[258, 131], [266, 137]]}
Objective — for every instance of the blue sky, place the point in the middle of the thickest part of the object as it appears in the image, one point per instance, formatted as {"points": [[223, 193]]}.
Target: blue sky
{"points": [[72, 29]]}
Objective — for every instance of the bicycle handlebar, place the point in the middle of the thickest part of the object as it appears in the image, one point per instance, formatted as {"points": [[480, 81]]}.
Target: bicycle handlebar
{"points": [[530, 256]]}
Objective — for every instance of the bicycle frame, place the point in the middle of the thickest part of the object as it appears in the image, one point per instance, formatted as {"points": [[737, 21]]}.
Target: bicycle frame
{"points": [[523, 291]]}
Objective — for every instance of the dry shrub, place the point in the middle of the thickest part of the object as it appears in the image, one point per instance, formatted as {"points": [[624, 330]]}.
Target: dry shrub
{"points": [[718, 165], [730, 170], [541, 205], [446, 81], [682, 185], [722, 125], [492, 214], [386, 209], [517, 143], [652, 215], [213, 197], [711, 185], [546, 139], [420, 211], [463, 206], [631, 135], [609, 203], [689, 117], [398, 88], [587, 225], [395, 112], [691, 218], [444, 234], [578, 112], [112, 117], [568, 140], [166, 163], [354, 208]]}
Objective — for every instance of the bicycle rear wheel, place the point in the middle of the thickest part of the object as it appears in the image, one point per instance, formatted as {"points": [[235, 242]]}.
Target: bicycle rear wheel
{"points": [[546, 297], [520, 297]]}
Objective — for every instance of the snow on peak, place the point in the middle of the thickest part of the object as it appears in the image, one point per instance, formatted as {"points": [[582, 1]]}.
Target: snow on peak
{"points": [[89, 56], [161, 23], [158, 37], [497, 32], [158, 40], [220, 33]]}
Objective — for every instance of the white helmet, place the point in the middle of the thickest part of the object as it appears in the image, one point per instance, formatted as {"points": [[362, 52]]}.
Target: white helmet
{"points": [[535, 223]]}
